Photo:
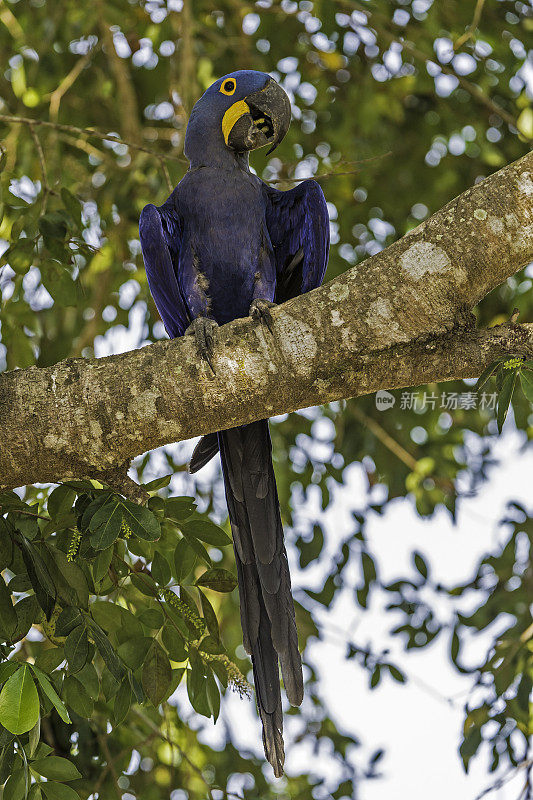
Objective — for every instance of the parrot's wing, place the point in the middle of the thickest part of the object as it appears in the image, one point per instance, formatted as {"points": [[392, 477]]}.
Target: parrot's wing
{"points": [[298, 225], [160, 233]]}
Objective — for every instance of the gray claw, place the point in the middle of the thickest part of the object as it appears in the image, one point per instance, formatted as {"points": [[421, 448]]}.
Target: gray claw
{"points": [[260, 311], [202, 329]]}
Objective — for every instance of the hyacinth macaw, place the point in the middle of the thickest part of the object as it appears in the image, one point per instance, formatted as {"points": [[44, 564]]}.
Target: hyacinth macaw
{"points": [[226, 245]]}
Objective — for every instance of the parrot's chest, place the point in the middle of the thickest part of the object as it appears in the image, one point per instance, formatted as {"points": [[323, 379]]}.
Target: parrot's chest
{"points": [[226, 245], [224, 225], [224, 222]]}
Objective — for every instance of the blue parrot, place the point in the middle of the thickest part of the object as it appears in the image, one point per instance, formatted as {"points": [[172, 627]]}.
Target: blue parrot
{"points": [[226, 245]]}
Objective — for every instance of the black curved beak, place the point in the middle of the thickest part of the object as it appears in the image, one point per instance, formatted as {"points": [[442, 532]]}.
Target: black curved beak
{"points": [[270, 108]]}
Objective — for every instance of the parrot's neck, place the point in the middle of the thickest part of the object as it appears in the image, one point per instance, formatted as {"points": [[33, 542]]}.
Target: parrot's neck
{"points": [[205, 146]]}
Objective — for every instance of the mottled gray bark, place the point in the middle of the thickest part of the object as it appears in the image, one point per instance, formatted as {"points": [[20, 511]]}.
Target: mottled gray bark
{"points": [[401, 318]]}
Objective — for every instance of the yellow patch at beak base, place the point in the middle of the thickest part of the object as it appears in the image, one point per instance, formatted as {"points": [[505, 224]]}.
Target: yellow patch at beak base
{"points": [[234, 112]]}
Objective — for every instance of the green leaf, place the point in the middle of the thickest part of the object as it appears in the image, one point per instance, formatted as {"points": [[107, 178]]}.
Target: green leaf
{"points": [[49, 659], [88, 676], [142, 522], [376, 677], [107, 615], [137, 689], [19, 702], [43, 750], [397, 674], [369, 568], [35, 792], [33, 738], [197, 684], [77, 648], [210, 645], [6, 762], [20, 255], [59, 791], [105, 524], [207, 531], [20, 583], [57, 278], [486, 374], [60, 503], [27, 611], [310, 550], [7, 668], [77, 697], [213, 695], [526, 381], [178, 619], [53, 225], [174, 642], [6, 738], [15, 786], [130, 626], [110, 685], [8, 615], [152, 618], [144, 583], [102, 563], [160, 569], [209, 616], [122, 702], [220, 580], [51, 693], [184, 560], [27, 526], [106, 650], [91, 510], [156, 505], [198, 548], [470, 745], [134, 651], [177, 675], [504, 398], [420, 564], [6, 544], [69, 618], [40, 578], [156, 674], [55, 768], [158, 483], [70, 579], [72, 205], [179, 508]]}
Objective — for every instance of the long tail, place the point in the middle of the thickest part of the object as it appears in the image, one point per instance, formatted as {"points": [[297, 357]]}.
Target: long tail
{"points": [[267, 609]]}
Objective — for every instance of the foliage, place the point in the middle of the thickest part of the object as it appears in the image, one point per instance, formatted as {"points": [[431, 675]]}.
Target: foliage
{"points": [[117, 592], [398, 106]]}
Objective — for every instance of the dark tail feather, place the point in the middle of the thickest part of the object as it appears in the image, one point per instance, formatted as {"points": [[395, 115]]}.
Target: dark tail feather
{"points": [[267, 609], [204, 451]]}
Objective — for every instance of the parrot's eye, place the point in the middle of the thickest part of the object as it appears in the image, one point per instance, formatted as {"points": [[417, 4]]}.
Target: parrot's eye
{"points": [[229, 86]]}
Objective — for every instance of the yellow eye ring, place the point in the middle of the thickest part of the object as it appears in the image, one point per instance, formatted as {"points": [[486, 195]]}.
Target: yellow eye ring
{"points": [[228, 86]]}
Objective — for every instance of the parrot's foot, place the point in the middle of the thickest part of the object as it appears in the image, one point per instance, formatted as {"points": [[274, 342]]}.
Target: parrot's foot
{"points": [[202, 329], [260, 311]]}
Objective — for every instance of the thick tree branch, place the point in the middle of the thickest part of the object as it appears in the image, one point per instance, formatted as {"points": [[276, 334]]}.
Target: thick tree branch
{"points": [[402, 318]]}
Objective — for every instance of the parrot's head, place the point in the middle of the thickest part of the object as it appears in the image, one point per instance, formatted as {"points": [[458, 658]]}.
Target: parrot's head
{"points": [[243, 111]]}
